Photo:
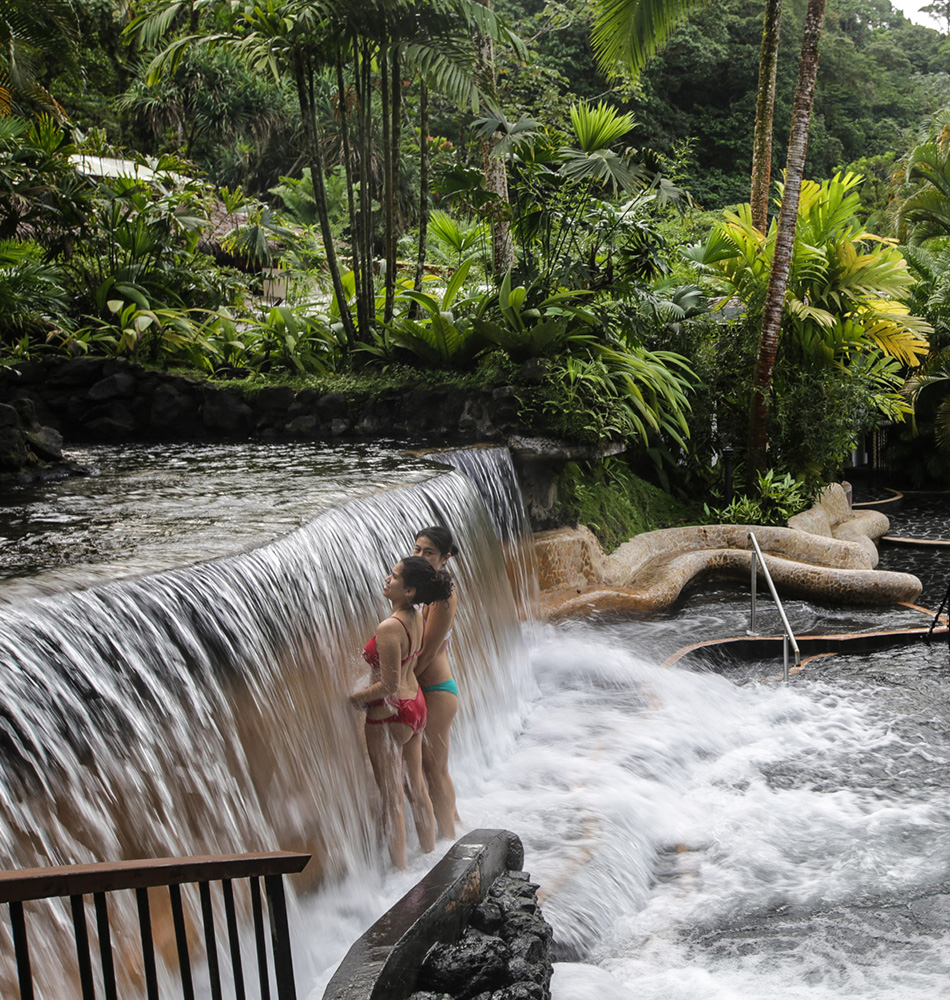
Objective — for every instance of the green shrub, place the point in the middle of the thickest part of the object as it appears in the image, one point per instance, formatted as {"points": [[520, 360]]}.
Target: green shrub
{"points": [[614, 503], [777, 499]]}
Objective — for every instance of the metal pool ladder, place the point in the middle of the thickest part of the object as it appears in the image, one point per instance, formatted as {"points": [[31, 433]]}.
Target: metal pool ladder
{"points": [[789, 637]]}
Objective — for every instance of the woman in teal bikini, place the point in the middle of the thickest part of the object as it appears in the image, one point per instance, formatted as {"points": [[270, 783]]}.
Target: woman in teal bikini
{"points": [[436, 545], [394, 704]]}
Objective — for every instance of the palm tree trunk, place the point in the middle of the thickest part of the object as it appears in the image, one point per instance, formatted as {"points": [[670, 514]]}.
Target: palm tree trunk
{"points": [[423, 183], [362, 236], [496, 176], [764, 112], [303, 77], [496, 181], [347, 163], [368, 305], [785, 239], [395, 141], [388, 199], [398, 219]]}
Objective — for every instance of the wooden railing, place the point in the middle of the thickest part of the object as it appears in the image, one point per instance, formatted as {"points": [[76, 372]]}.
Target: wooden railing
{"points": [[98, 880]]}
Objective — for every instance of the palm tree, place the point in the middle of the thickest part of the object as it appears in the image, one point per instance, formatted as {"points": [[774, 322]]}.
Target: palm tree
{"points": [[849, 323], [363, 50], [627, 33], [784, 240], [632, 30], [496, 177], [764, 115], [925, 213], [847, 291], [33, 32], [935, 372]]}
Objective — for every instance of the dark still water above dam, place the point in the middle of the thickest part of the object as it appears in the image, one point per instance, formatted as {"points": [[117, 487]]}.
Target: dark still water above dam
{"points": [[146, 508]]}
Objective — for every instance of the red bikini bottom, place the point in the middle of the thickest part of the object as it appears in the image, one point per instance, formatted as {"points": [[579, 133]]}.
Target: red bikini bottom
{"points": [[409, 711]]}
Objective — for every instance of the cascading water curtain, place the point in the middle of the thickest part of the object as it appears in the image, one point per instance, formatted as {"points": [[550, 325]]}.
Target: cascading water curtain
{"points": [[204, 710], [493, 475]]}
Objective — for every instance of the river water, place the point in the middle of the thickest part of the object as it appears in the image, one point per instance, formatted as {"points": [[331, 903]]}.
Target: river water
{"points": [[709, 836], [143, 509], [696, 835], [701, 839]]}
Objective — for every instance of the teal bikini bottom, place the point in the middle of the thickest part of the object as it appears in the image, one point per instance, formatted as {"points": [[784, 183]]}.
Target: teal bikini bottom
{"points": [[448, 685]]}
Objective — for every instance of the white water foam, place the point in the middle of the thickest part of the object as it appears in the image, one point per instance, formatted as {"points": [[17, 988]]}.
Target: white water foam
{"points": [[697, 839]]}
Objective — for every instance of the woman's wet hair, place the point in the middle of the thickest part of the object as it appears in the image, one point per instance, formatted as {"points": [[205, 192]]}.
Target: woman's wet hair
{"points": [[429, 583], [441, 538]]}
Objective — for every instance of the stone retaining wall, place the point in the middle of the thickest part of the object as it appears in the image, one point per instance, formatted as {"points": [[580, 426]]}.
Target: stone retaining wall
{"points": [[27, 448], [112, 400]]}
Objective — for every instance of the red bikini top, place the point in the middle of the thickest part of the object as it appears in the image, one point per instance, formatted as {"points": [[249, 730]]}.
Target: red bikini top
{"points": [[371, 655]]}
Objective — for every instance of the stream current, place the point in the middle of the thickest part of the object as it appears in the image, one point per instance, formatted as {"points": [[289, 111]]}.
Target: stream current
{"points": [[696, 836], [716, 836]]}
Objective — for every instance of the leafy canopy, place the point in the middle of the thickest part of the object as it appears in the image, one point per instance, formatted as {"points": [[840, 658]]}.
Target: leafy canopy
{"points": [[847, 287]]}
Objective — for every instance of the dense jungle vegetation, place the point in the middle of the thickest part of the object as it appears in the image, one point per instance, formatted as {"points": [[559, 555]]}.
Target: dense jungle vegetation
{"points": [[452, 190]]}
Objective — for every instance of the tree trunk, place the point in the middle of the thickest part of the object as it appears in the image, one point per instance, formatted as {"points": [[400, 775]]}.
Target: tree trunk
{"points": [[784, 240], [388, 198], [764, 112], [423, 184], [303, 77], [496, 176], [496, 181], [395, 97], [363, 261], [348, 164]]}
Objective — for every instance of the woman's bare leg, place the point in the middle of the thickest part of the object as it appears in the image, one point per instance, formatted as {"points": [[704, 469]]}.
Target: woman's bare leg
{"points": [[419, 799], [385, 754], [441, 707]]}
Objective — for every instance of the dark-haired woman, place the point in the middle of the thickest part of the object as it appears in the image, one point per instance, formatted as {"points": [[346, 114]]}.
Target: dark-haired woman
{"points": [[395, 707], [436, 545]]}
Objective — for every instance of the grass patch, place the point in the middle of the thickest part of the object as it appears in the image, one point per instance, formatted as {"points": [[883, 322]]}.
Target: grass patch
{"points": [[374, 380], [616, 504]]}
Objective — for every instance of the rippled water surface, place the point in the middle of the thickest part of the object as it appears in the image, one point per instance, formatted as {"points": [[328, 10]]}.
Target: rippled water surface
{"points": [[717, 610], [921, 515], [145, 508], [700, 837]]}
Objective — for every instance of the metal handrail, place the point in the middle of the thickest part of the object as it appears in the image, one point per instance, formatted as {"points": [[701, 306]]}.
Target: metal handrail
{"points": [[75, 881], [789, 636]]}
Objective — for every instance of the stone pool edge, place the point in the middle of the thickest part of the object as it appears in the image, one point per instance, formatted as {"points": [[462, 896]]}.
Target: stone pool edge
{"points": [[383, 964]]}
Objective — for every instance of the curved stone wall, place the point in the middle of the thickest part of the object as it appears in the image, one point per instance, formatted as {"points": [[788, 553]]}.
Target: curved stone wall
{"points": [[827, 552]]}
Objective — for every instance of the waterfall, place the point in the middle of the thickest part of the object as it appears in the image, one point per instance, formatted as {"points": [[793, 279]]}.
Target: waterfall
{"points": [[204, 710], [493, 474]]}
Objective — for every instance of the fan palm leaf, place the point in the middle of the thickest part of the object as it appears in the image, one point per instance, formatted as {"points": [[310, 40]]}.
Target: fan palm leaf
{"points": [[600, 126]]}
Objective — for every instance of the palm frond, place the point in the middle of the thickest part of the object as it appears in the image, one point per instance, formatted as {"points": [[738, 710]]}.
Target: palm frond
{"points": [[627, 33], [600, 126]]}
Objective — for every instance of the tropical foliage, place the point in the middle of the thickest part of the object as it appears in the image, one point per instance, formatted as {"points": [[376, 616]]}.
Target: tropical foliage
{"points": [[846, 286], [936, 374], [31, 33], [847, 330], [774, 499], [375, 242]]}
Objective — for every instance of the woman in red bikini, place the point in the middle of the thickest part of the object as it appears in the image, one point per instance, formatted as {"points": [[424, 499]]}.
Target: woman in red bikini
{"points": [[395, 707]]}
